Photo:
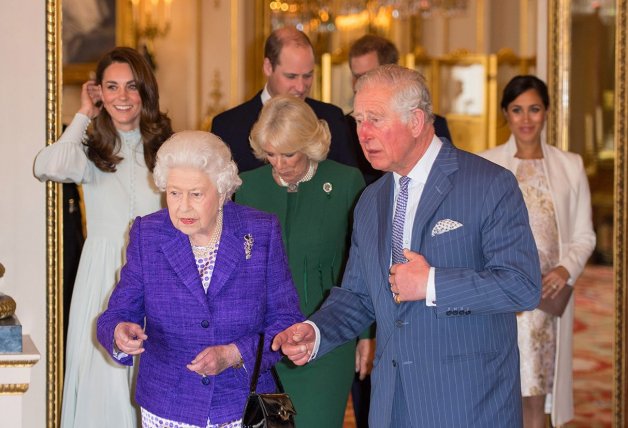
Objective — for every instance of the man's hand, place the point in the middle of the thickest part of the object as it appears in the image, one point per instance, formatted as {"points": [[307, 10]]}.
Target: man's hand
{"points": [[364, 356], [129, 338], [213, 360], [296, 342], [409, 280]]}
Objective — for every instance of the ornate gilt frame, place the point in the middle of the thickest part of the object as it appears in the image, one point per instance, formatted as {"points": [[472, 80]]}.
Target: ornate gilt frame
{"points": [[620, 393], [54, 255], [558, 73], [559, 50]]}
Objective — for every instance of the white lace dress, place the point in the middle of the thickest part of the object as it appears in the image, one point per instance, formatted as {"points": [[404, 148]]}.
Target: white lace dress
{"points": [[97, 391], [537, 329]]}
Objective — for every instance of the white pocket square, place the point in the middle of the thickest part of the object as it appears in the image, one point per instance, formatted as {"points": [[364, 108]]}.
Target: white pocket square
{"points": [[446, 225]]}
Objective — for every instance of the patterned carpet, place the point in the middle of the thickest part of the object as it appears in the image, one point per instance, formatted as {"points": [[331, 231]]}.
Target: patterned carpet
{"points": [[593, 350]]}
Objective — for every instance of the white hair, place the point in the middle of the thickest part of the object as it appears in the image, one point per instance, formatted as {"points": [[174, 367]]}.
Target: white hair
{"points": [[201, 150], [409, 87]]}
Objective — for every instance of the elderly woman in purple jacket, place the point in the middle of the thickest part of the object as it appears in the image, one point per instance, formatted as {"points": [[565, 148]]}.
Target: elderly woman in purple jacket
{"points": [[203, 279]]}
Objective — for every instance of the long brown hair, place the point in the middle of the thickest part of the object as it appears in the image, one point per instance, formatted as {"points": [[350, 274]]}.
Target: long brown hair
{"points": [[103, 145]]}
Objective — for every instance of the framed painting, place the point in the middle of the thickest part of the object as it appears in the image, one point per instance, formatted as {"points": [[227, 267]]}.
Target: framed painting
{"points": [[89, 29]]}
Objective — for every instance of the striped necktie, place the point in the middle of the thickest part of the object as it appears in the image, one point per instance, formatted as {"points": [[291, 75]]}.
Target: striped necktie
{"points": [[399, 220]]}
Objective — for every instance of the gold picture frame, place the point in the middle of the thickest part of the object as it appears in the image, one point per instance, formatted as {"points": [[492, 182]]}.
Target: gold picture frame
{"points": [[114, 30]]}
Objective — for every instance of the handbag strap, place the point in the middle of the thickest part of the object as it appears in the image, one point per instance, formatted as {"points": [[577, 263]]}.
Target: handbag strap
{"points": [[258, 363]]}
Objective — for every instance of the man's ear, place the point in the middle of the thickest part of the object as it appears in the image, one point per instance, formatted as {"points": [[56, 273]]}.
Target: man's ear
{"points": [[267, 67], [417, 121]]}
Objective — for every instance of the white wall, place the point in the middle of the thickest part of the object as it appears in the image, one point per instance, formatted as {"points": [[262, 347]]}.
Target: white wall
{"points": [[22, 206]]}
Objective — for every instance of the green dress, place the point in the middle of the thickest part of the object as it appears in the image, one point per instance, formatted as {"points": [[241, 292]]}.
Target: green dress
{"points": [[316, 224]]}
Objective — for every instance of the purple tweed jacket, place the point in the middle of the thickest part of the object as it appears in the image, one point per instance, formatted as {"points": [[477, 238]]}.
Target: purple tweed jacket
{"points": [[160, 288]]}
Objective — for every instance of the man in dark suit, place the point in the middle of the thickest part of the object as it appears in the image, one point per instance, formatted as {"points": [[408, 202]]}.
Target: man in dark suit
{"points": [[289, 69], [366, 53], [442, 257]]}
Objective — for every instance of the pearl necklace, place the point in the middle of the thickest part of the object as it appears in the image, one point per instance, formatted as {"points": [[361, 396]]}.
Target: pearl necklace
{"points": [[215, 236], [294, 187]]}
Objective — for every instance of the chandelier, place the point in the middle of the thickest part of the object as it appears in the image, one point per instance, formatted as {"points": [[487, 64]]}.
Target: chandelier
{"points": [[326, 15]]}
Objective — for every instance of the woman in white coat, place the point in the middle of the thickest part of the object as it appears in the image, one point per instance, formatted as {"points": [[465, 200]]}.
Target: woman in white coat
{"points": [[556, 192]]}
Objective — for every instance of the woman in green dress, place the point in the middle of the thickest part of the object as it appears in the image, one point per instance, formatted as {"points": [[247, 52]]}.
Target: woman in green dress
{"points": [[314, 200]]}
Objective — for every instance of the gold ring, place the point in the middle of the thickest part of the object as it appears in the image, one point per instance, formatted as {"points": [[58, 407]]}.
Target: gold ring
{"points": [[396, 297]]}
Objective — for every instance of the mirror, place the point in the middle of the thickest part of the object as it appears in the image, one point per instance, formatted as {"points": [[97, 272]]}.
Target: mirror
{"points": [[560, 79], [569, 36]]}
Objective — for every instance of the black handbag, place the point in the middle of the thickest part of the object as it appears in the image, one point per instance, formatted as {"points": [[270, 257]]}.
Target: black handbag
{"points": [[267, 410]]}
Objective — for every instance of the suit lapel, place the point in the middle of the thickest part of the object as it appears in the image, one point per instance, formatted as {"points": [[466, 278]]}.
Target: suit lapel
{"points": [[384, 215], [178, 251], [230, 251], [436, 188]]}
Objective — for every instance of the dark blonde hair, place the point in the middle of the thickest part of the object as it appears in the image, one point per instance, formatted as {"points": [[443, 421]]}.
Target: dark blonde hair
{"points": [[386, 51], [289, 125], [103, 144], [282, 37]]}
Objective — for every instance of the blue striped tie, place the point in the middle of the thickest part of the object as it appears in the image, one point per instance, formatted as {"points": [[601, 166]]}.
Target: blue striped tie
{"points": [[399, 220]]}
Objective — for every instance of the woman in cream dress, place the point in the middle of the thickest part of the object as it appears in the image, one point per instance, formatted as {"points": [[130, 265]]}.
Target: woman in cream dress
{"points": [[556, 192], [112, 159]]}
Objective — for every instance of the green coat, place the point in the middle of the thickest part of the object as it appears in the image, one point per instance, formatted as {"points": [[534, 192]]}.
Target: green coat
{"points": [[316, 226]]}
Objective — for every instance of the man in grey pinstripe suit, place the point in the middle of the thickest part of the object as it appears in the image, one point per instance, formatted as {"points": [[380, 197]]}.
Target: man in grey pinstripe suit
{"points": [[446, 329]]}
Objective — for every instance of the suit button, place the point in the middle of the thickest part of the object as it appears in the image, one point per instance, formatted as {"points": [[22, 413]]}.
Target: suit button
{"points": [[204, 323], [454, 312], [394, 363], [448, 313], [399, 323], [205, 381], [468, 312]]}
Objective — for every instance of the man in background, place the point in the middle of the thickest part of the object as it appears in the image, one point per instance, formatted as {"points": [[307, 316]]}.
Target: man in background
{"points": [[366, 53], [289, 69]]}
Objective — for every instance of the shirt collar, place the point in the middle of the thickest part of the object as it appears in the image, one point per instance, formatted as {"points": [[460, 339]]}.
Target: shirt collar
{"points": [[265, 94], [422, 168]]}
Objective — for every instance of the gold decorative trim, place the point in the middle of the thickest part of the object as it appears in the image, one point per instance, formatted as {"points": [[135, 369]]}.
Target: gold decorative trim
{"points": [[620, 393], [559, 53], [17, 363], [54, 257], [13, 388]]}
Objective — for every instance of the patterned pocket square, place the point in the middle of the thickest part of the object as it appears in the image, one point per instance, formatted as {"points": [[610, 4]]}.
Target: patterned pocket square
{"points": [[446, 225]]}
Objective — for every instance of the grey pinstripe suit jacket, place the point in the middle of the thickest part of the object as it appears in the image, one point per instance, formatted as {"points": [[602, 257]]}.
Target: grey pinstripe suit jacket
{"points": [[458, 362]]}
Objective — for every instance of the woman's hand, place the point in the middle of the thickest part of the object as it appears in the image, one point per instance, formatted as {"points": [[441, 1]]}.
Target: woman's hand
{"points": [[129, 338], [91, 99], [213, 360], [554, 281]]}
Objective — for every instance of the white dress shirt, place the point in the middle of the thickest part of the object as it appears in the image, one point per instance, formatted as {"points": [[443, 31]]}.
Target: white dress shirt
{"points": [[418, 177]]}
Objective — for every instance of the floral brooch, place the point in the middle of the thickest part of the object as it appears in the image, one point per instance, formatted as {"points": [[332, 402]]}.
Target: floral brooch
{"points": [[248, 245]]}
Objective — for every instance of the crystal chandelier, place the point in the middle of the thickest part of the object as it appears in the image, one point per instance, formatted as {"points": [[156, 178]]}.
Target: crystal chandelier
{"points": [[326, 14]]}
